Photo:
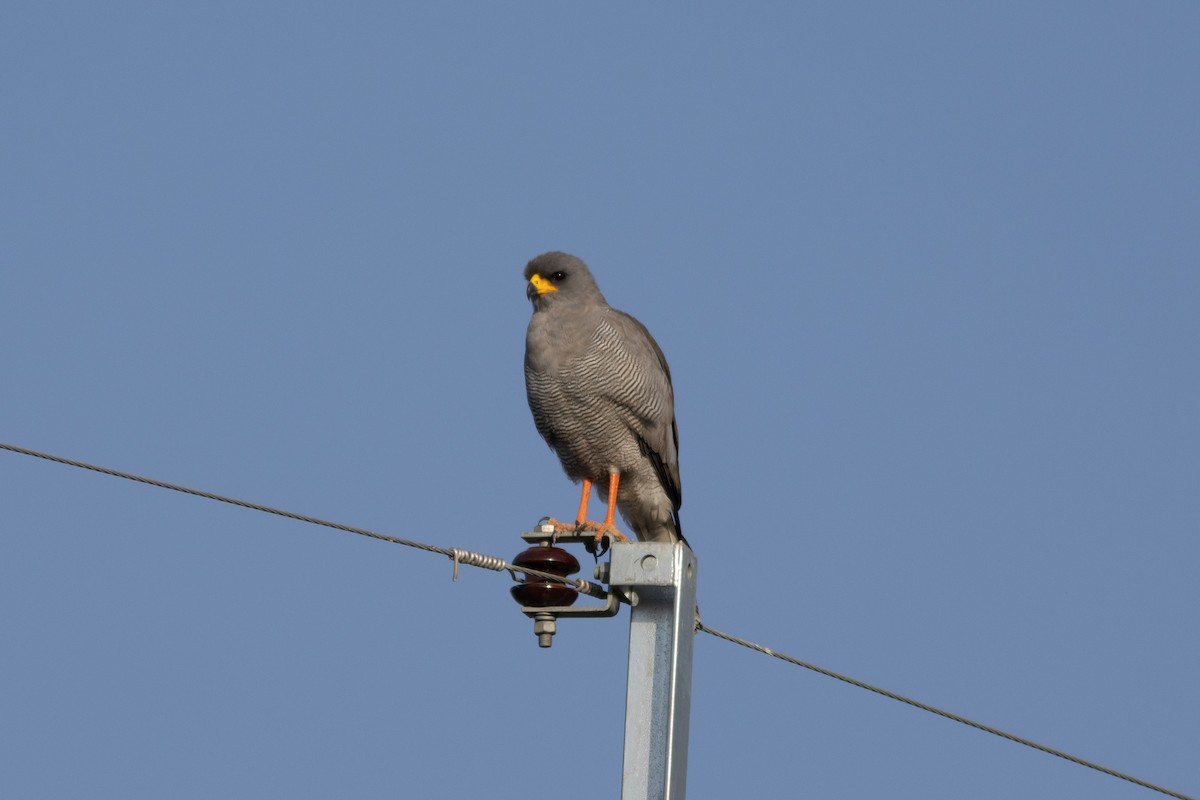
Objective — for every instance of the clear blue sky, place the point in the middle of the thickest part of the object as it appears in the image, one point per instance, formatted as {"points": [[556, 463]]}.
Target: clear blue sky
{"points": [[928, 278]]}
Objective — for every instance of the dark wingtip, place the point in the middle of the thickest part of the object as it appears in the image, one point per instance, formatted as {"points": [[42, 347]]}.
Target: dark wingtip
{"points": [[678, 527]]}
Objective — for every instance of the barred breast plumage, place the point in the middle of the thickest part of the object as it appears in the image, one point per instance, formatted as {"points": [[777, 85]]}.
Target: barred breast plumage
{"points": [[601, 396]]}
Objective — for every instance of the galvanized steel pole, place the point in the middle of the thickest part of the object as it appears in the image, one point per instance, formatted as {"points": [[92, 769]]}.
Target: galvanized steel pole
{"points": [[660, 581]]}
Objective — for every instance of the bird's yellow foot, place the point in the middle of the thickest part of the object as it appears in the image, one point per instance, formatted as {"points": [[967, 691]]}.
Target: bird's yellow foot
{"points": [[597, 546], [611, 530], [584, 526], [560, 527]]}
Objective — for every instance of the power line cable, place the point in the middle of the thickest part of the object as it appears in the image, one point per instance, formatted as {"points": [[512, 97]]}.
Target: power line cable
{"points": [[940, 712], [458, 555], [470, 558]]}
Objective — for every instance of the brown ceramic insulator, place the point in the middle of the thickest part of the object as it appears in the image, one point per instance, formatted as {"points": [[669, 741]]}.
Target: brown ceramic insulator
{"points": [[537, 592]]}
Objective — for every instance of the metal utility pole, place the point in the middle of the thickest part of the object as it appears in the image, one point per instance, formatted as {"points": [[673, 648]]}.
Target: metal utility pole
{"points": [[658, 581]]}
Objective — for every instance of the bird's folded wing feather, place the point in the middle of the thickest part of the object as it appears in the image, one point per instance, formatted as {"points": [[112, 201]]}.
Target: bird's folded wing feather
{"points": [[655, 425]]}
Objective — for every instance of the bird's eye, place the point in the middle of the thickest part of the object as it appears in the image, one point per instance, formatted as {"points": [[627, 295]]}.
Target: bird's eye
{"points": [[558, 277]]}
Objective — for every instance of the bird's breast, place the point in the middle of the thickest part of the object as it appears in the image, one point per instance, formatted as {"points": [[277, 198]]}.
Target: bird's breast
{"points": [[555, 339]]}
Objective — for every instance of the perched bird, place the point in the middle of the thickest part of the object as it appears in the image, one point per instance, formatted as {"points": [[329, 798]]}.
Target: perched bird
{"points": [[601, 396]]}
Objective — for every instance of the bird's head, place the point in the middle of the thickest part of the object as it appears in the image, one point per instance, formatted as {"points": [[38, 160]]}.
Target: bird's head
{"points": [[559, 278]]}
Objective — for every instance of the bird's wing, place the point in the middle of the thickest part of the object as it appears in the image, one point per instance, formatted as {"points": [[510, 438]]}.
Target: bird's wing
{"points": [[658, 434]]}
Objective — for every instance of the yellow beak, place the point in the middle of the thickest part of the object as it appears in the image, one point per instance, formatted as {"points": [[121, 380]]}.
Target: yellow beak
{"points": [[541, 285]]}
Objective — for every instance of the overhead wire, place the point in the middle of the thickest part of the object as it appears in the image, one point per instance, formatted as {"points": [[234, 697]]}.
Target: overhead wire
{"points": [[461, 556], [457, 555], [938, 711]]}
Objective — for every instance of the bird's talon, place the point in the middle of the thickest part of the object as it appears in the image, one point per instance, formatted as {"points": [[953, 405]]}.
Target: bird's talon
{"points": [[597, 547]]}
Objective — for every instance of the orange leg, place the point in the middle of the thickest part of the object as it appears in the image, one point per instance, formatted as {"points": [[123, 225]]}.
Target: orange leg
{"points": [[582, 523], [614, 479], [581, 517]]}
